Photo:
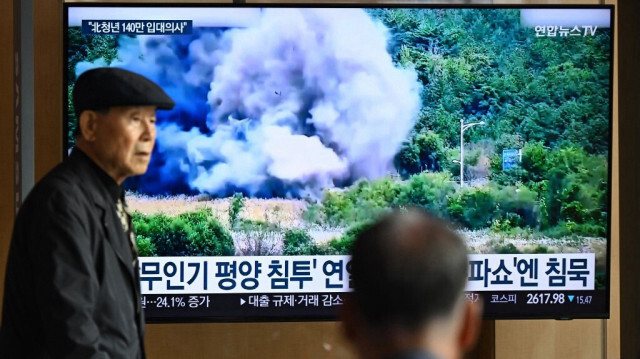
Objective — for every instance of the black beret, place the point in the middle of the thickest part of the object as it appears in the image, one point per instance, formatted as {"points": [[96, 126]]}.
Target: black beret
{"points": [[106, 87]]}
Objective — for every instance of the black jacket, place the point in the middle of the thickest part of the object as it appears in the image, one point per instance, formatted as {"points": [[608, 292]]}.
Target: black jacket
{"points": [[70, 289], [412, 354]]}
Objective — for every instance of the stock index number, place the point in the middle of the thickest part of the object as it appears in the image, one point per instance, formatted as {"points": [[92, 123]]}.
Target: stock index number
{"points": [[545, 298]]}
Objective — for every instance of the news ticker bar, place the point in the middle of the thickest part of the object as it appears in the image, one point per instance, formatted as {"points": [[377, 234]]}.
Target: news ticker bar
{"points": [[326, 305], [329, 274]]}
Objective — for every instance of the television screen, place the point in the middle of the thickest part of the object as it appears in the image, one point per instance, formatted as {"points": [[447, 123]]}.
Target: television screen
{"points": [[296, 126]]}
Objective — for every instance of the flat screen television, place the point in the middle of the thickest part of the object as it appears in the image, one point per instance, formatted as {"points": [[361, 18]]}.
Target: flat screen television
{"points": [[295, 126]]}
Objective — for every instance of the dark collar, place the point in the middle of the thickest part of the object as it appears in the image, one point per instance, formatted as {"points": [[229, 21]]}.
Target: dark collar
{"points": [[412, 354], [115, 191]]}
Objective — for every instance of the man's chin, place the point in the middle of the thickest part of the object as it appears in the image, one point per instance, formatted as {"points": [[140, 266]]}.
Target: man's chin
{"points": [[139, 170]]}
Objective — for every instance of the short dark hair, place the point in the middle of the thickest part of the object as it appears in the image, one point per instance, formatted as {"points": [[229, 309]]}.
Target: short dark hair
{"points": [[407, 269]]}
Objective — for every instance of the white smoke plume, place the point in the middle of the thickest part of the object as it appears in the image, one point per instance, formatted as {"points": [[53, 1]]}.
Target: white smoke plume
{"points": [[302, 100], [318, 101]]}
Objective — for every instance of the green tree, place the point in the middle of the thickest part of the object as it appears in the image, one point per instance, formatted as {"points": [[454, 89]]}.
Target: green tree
{"points": [[195, 233], [298, 242], [235, 207], [81, 48]]}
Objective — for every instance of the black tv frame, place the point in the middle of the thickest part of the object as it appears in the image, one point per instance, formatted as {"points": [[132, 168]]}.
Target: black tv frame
{"points": [[242, 4]]}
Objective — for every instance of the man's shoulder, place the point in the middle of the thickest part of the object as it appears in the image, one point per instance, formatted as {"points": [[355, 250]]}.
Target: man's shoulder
{"points": [[63, 177], [65, 182], [58, 195]]}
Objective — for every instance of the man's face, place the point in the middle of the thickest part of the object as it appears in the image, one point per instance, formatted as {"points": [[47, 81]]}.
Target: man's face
{"points": [[124, 140]]}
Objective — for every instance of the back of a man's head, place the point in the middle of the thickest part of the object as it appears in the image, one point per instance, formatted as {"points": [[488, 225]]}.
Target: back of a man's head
{"points": [[409, 270]]}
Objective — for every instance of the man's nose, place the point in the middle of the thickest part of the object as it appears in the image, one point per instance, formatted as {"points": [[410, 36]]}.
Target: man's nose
{"points": [[149, 130]]}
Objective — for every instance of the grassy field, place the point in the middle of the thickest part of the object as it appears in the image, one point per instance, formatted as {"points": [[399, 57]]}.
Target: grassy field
{"points": [[280, 215]]}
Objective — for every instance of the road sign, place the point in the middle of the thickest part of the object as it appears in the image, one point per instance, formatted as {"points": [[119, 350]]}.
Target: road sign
{"points": [[510, 158]]}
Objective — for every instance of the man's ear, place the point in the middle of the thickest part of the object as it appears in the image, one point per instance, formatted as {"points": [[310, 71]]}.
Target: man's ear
{"points": [[471, 322], [88, 124]]}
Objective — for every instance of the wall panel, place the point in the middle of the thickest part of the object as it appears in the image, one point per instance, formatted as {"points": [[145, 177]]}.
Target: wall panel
{"points": [[629, 177], [7, 114], [47, 52]]}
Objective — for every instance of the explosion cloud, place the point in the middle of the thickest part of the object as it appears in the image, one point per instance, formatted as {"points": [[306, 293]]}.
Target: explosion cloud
{"points": [[299, 101]]}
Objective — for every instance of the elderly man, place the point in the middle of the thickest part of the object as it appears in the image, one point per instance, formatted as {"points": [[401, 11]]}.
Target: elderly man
{"points": [[409, 272], [72, 288]]}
